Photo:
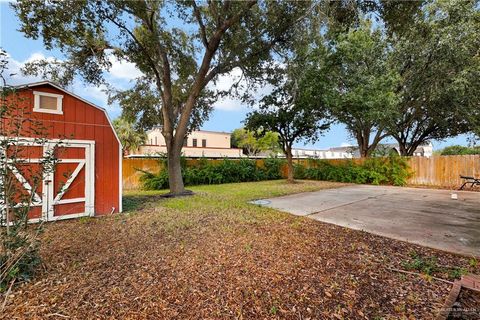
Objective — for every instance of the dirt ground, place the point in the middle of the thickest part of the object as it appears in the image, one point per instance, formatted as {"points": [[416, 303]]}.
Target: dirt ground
{"points": [[214, 256]]}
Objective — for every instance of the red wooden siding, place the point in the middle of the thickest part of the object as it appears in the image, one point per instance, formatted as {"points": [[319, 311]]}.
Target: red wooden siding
{"points": [[82, 121]]}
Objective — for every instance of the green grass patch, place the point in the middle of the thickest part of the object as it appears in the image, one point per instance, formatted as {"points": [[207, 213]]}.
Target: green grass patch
{"points": [[430, 266], [227, 205]]}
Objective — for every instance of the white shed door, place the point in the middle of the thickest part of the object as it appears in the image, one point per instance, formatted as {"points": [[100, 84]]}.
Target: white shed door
{"points": [[69, 190]]}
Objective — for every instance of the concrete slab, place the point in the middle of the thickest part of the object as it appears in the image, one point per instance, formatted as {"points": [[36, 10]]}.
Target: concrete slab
{"points": [[423, 216]]}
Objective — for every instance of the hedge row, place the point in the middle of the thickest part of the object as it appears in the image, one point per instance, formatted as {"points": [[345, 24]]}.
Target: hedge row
{"points": [[391, 170], [226, 171]]}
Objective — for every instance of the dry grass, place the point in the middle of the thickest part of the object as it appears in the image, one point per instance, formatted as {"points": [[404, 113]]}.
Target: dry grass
{"points": [[214, 256]]}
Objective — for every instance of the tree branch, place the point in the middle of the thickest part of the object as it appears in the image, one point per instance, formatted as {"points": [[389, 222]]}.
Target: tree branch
{"points": [[134, 38], [199, 82], [198, 16]]}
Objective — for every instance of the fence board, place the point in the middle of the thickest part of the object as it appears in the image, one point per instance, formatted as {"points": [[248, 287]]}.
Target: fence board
{"points": [[131, 175], [437, 171], [443, 171]]}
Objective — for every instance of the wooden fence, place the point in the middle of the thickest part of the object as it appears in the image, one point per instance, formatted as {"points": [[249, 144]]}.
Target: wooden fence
{"points": [[443, 171], [438, 171]]}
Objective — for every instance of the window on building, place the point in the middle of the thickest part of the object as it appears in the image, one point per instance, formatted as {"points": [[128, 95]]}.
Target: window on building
{"points": [[156, 143], [194, 142], [185, 142], [47, 102], [204, 143]]}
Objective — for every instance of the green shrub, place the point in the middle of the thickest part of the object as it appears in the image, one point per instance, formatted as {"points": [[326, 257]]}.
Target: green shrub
{"points": [[273, 168], [424, 265], [299, 171], [21, 259], [207, 172], [460, 150], [388, 170], [152, 181]]}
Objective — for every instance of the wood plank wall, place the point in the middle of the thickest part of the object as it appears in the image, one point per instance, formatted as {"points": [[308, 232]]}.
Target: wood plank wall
{"points": [[437, 171], [443, 171]]}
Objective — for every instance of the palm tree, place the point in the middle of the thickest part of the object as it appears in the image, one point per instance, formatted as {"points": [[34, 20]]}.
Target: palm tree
{"points": [[130, 137]]}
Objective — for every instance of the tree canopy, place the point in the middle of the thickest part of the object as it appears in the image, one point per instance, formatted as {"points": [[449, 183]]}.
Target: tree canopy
{"points": [[294, 109], [459, 150], [438, 61], [253, 143], [180, 47], [130, 136], [362, 95]]}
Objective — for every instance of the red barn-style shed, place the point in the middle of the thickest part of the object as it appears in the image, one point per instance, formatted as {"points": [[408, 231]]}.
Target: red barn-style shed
{"points": [[87, 180]]}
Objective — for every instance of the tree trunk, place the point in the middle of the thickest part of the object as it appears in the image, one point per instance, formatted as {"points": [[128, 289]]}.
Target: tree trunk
{"points": [[175, 180], [364, 152], [402, 146], [410, 150], [362, 145], [288, 154]]}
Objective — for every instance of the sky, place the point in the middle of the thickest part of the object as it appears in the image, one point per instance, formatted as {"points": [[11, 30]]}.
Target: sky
{"points": [[228, 114]]}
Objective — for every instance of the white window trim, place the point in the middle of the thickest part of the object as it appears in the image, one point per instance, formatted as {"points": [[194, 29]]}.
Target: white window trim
{"points": [[36, 104]]}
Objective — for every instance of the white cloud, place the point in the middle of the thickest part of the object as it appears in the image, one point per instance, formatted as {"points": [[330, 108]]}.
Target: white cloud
{"points": [[122, 69], [13, 73], [229, 104], [94, 93], [225, 81], [346, 144]]}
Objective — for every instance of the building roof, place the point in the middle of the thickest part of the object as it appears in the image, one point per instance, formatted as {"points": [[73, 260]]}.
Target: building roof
{"points": [[207, 131], [57, 86]]}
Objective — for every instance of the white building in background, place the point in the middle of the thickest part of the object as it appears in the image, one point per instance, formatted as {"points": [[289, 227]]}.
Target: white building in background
{"points": [[201, 143], [321, 154], [349, 152], [424, 150], [216, 144]]}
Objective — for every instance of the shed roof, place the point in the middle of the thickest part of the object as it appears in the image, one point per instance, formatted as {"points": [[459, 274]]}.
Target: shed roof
{"points": [[56, 86]]}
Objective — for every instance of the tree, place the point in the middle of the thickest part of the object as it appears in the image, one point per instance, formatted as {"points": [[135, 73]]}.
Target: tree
{"points": [[439, 67], [252, 144], [181, 47], [130, 137], [459, 150], [293, 110], [362, 96]]}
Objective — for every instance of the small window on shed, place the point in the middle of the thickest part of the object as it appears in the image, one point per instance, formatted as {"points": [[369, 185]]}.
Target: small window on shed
{"points": [[47, 102]]}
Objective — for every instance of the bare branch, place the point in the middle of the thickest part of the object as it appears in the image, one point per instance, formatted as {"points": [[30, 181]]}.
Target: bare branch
{"points": [[198, 16], [137, 41]]}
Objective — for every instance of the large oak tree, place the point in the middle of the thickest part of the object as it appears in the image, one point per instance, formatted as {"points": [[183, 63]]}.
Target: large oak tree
{"points": [[362, 96], [294, 109], [437, 58], [180, 47]]}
